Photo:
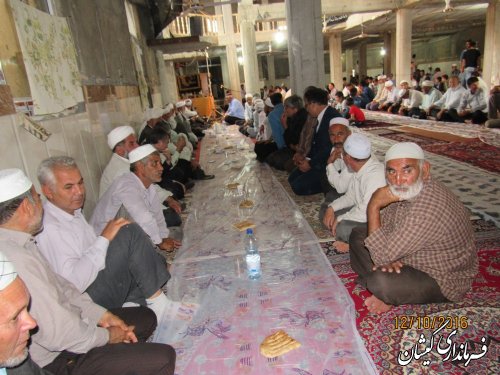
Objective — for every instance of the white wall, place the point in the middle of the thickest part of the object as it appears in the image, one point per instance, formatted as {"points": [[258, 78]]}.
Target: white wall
{"points": [[82, 136]]}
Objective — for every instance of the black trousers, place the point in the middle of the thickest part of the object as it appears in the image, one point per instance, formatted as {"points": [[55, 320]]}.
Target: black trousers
{"points": [[264, 149], [121, 359], [477, 117], [411, 286], [134, 270], [231, 120]]}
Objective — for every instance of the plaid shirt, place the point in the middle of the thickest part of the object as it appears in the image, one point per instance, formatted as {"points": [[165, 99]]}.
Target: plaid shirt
{"points": [[431, 233]]}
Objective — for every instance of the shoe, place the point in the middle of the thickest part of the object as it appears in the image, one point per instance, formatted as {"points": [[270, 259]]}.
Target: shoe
{"points": [[207, 177], [189, 185]]}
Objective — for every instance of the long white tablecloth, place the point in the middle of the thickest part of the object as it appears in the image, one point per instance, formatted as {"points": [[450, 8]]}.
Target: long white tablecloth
{"points": [[220, 316]]}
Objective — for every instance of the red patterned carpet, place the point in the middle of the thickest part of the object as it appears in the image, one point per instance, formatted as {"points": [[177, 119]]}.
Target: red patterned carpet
{"points": [[481, 307], [476, 153], [372, 124], [406, 137]]}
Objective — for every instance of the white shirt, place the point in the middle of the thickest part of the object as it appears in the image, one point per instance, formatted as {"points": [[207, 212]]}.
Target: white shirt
{"points": [[117, 167], [248, 113], [71, 246], [474, 102], [339, 176], [431, 98], [392, 96], [265, 132], [363, 184], [451, 98], [142, 206]]}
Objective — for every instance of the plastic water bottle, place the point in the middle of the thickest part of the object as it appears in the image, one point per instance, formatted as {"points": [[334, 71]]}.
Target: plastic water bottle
{"points": [[252, 256]]}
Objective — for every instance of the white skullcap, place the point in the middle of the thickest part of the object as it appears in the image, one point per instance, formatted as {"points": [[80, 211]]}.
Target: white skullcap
{"points": [[118, 134], [13, 183], [388, 83], [7, 272], [169, 107], [404, 150], [180, 104], [427, 83], [288, 94], [140, 153], [258, 104], [268, 102], [380, 77], [404, 81], [152, 113], [358, 146], [453, 65], [248, 95], [339, 120], [188, 102]]}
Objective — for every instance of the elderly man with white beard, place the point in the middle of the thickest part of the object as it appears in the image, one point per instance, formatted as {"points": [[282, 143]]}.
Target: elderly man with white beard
{"points": [[420, 245]]}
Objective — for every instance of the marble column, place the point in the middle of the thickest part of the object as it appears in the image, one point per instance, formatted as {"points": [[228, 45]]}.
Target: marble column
{"points": [[305, 49], [246, 11], [349, 63], [362, 59], [335, 51], [403, 44], [491, 59], [231, 53], [271, 72], [393, 52], [389, 51]]}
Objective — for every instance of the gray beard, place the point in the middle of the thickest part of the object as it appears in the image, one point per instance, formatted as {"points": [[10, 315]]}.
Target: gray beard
{"points": [[409, 192], [13, 362]]}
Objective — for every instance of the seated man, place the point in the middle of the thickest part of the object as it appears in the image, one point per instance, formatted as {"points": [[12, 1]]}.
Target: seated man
{"points": [[151, 117], [183, 124], [235, 113], [420, 245], [380, 96], [306, 178], [133, 196], [118, 266], [450, 100], [292, 120], [338, 175], [390, 99], [75, 336], [431, 96], [14, 338], [411, 100], [122, 140], [264, 149], [259, 116], [473, 106], [349, 210], [249, 110]]}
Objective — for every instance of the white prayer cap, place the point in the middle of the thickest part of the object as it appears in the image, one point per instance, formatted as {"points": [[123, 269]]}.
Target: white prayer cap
{"points": [[169, 107], [380, 77], [140, 153], [288, 94], [268, 102], [13, 183], [388, 83], [188, 102], [427, 83], [118, 134], [258, 104], [180, 104], [339, 120], [248, 95], [452, 65], [151, 113], [403, 82], [404, 150], [358, 146], [7, 272]]}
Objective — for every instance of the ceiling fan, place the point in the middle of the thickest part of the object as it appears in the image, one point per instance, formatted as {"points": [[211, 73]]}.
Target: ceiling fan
{"points": [[363, 35], [197, 7]]}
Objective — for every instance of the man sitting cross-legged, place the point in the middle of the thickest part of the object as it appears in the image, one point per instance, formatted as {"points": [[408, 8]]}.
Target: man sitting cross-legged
{"points": [[118, 266], [75, 336], [133, 196], [420, 245], [349, 210]]}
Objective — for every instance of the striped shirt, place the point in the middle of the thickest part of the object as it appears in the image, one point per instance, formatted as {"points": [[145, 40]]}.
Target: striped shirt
{"points": [[431, 233]]}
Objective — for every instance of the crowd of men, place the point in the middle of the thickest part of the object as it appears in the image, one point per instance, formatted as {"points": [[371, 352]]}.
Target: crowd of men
{"points": [[94, 289]]}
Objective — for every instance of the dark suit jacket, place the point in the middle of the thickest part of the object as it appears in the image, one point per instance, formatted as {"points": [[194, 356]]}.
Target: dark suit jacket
{"points": [[321, 145]]}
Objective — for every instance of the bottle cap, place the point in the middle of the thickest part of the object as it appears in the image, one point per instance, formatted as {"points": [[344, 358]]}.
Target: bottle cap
{"points": [[249, 231]]}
